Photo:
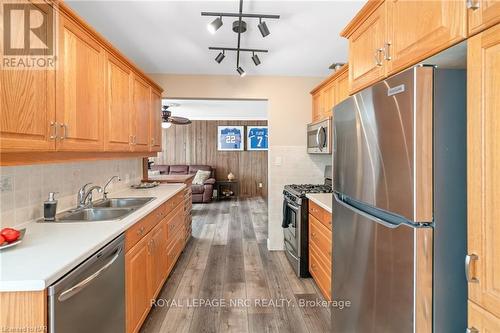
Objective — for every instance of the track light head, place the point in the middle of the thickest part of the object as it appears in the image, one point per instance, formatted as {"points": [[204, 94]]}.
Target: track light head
{"points": [[264, 30], [255, 59], [241, 71], [220, 57], [215, 25]]}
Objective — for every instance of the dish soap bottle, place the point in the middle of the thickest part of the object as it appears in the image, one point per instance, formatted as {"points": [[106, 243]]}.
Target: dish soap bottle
{"points": [[50, 207]]}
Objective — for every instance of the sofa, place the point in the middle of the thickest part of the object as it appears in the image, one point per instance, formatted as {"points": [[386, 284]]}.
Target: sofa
{"points": [[201, 193]]}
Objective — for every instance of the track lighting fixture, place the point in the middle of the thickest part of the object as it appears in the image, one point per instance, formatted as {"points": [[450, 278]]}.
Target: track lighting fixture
{"points": [[255, 59], [215, 25], [220, 57], [263, 28], [241, 71]]}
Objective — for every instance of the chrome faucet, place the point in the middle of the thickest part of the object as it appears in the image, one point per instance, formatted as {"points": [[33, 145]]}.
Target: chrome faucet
{"points": [[88, 195], [81, 194], [84, 195], [105, 195]]}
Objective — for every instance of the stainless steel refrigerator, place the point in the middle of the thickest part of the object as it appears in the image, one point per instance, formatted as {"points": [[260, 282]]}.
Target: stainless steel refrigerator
{"points": [[399, 206]]}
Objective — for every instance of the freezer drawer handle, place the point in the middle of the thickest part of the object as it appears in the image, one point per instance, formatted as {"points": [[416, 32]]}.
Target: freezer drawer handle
{"points": [[68, 293], [468, 259]]}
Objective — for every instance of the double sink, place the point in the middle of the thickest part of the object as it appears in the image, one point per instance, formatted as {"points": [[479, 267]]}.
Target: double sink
{"points": [[104, 210]]}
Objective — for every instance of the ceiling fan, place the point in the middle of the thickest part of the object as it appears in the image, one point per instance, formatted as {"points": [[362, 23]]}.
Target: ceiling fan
{"points": [[167, 119]]}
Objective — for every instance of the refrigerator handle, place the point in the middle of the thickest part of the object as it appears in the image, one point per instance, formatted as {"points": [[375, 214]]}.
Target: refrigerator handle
{"points": [[362, 213]]}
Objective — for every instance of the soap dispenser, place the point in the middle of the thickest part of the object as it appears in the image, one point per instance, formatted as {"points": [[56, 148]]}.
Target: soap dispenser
{"points": [[50, 207]]}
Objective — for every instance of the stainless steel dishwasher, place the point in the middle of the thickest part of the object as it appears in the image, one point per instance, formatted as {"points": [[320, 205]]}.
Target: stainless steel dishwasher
{"points": [[91, 298]]}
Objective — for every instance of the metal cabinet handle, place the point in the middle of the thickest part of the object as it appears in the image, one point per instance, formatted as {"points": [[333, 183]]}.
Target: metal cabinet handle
{"points": [[378, 56], [471, 330], [472, 4], [140, 231], [68, 293], [387, 51], [468, 260], [53, 126], [65, 131]]}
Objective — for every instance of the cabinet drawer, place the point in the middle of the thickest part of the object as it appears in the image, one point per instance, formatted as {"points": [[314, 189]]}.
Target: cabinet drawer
{"points": [[322, 278], [174, 202], [320, 214], [141, 228], [321, 237]]}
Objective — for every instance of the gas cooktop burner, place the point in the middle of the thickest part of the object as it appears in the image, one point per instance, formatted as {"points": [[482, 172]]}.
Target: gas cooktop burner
{"points": [[302, 189]]}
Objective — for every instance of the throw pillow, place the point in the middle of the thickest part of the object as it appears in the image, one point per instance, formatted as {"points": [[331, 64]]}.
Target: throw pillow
{"points": [[200, 177]]}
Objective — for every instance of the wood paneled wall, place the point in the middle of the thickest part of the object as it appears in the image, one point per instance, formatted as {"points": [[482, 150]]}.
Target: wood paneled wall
{"points": [[197, 144]]}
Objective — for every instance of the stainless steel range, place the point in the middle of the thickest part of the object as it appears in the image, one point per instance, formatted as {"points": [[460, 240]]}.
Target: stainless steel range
{"points": [[295, 224]]}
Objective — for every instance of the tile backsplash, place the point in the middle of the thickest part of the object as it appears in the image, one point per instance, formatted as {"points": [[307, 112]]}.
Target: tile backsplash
{"points": [[23, 189]]}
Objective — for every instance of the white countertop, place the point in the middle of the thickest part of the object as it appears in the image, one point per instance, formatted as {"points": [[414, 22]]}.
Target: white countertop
{"points": [[50, 250], [324, 200]]}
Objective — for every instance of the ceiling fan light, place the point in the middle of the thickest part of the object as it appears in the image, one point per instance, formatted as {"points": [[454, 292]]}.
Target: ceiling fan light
{"points": [[215, 25], [166, 124], [256, 59], [241, 71], [220, 57], [264, 30]]}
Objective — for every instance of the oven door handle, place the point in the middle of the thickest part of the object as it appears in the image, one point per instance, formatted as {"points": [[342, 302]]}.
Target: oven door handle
{"points": [[287, 245], [292, 206]]}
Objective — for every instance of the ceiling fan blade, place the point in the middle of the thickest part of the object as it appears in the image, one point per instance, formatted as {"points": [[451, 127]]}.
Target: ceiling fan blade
{"points": [[179, 120]]}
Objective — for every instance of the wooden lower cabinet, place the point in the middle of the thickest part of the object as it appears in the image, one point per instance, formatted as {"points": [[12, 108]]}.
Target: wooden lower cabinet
{"points": [[149, 262], [320, 248], [483, 160], [481, 321], [137, 284]]}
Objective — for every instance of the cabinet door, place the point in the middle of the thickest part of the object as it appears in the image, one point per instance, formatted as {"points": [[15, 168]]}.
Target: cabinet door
{"points": [[342, 87], [80, 89], [137, 284], [140, 115], [27, 104], [317, 106], [481, 320], [329, 92], [483, 14], [159, 262], [366, 64], [419, 29], [483, 136], [155, 116], [117, 116]]}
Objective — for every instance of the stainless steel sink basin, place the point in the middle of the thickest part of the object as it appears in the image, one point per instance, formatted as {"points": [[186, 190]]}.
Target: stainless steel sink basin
{"points": [[123, 202], [94, 214]]}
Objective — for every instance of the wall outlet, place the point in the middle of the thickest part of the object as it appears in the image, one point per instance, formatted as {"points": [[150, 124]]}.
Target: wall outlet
{"points": [[260, 185]]}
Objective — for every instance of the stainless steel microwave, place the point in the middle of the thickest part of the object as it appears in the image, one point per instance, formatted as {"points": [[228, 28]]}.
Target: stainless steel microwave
{"points": [[319, 136]]}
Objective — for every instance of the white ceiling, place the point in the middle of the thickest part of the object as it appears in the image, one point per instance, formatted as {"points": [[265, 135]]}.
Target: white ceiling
{"points": [[171, 36], [218, 109]]}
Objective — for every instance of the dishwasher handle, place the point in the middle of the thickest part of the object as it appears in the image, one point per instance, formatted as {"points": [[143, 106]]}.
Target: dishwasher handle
{"points": [[68, 293]]}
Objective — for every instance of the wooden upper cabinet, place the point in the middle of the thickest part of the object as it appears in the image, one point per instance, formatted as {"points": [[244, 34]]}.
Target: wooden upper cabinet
{"points": [[342, 85], [366, 48], [329, 92], [27, 104], [317, 105], [80, 84], [482, 14], [483, 180], [140, 115], [155, 127], [419, 29], [117, 116]]}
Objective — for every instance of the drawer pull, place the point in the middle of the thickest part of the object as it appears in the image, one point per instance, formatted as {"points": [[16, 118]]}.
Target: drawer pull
{"points": [[468, 259]]}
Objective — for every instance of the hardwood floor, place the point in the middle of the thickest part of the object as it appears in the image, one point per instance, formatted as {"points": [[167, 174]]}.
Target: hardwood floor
{"points": [[227, 260]]}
